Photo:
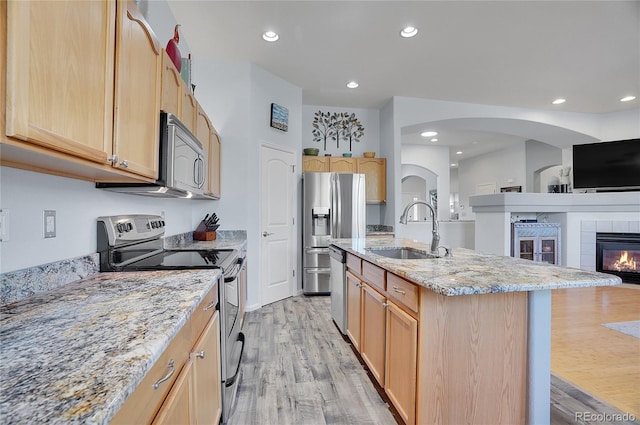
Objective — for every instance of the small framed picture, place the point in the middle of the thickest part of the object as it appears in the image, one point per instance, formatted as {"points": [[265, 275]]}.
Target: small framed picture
{"points": [[511, 189], [279, 117]]}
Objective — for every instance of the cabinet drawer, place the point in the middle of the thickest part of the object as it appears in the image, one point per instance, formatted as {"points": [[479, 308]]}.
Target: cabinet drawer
{"points": [[145, 401], [374, 275], [203, 313], [354, 263], [406, 293]]}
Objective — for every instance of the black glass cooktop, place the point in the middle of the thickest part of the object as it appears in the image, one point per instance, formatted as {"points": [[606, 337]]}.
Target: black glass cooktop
{"points": [[182, 260]]}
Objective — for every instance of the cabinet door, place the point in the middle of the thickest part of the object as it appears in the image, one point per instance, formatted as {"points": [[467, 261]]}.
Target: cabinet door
{"points": [[548, 250], [372, 345], [59, 90], [526, 248], [189, 108], [215, 156], [375, 171], [176, 409], [342, 165], [315, 163], [207, 381], [137, 98], [172, 87], [354, 309], [401, 364]]}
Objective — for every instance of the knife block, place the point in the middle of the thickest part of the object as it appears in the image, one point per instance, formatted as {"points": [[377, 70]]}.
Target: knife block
{"points": [[201, 233]]}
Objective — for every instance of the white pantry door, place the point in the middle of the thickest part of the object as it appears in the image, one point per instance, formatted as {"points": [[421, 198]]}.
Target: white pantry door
{"points": [[277, 229]]}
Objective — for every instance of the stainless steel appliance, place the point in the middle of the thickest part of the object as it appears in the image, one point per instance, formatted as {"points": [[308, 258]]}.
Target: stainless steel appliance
{"points": [[134, 243], [333, 207], [338, 287], [182, 169]]}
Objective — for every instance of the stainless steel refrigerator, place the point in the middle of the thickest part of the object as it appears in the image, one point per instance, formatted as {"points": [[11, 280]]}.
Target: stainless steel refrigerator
{"points": [[333, 206]]}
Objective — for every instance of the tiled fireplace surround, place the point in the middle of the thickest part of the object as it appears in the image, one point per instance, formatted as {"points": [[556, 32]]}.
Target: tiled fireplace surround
{"points": [[588, 230]]}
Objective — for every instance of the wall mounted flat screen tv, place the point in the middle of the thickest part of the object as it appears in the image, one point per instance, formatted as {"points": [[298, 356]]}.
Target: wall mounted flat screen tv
{"points": [[607, 166]]}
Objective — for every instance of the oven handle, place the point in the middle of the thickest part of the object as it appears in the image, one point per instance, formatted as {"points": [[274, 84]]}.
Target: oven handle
{"points": [[236, 271], [229, 382]]}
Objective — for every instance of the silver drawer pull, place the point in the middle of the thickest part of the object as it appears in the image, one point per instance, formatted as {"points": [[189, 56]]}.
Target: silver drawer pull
{"points": [[210, 306], [200, 354], [171, 366], [398, 290]]}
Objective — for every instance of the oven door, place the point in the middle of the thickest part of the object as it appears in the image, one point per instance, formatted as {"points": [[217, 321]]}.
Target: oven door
{"points": [[232, 338]]}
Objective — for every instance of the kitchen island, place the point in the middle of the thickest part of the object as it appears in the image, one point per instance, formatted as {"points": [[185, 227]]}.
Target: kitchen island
{"points": [[460, 339]]}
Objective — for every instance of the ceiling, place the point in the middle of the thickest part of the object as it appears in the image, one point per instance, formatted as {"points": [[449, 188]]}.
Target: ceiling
{"points": [[509, 53]]}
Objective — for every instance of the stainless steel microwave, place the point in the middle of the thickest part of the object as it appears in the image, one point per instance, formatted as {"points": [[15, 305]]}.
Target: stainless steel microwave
{"points": [[182, 169]]}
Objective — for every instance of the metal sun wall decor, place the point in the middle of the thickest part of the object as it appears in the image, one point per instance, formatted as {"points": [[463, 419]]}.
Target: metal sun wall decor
{"points": [[336, 126]]}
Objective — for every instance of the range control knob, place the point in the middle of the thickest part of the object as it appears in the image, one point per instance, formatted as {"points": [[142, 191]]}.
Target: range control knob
{"points": [[129, 227]]}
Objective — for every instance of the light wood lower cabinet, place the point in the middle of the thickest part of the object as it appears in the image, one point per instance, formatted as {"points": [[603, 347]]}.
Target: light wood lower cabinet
{"points": [[440, 359], [372, 346], [184, 386], [354, 309], [401, 352]]}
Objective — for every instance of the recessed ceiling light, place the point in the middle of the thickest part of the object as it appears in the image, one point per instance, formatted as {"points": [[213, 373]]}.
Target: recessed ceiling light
{"points": [[434, 140], [429, 133], [408, 32], [270, 36], [559, 101], [459, 153], [627, 98], [453, 165], [352, 84]]}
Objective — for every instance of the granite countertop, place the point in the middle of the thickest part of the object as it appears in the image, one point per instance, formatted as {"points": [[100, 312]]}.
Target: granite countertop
{"points": [[74, 354], [468, 272], [227, 239]]}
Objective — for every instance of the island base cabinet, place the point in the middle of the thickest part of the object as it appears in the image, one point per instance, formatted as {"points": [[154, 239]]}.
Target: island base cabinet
{"points": [[472, 361], [372, 345], [401, 358], [354, 309]]}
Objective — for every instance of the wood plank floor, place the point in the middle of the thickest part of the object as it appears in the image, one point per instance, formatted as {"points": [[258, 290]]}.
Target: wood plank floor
{"points": [[297, 369], [599, 360]]}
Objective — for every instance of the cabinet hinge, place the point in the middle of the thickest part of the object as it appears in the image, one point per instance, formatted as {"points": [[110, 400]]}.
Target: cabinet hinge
{"points": [[293, 168], [293, 272]]}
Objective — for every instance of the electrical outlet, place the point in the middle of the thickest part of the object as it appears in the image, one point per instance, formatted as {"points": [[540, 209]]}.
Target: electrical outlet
{"points": [[4, 225], [49, 223]]}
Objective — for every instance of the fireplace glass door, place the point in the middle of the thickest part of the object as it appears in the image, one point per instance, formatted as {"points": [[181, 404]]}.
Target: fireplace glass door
{"points": [[619, 254]]}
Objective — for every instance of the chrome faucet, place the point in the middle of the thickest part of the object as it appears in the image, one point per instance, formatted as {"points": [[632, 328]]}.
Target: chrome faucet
{"points": [[436, 236]]}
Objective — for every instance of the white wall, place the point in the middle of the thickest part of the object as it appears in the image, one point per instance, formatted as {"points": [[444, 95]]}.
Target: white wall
{"points": [[539, 155], [504, 168], [77, 204], [435, 159], [370, 141]]}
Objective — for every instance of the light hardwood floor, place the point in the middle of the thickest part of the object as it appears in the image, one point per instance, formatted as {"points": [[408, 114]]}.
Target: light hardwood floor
{"points": [[599, 360], [297, 368]]}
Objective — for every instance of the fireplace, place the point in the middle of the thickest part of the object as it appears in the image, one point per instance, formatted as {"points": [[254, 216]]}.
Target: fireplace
{"points": [[619, 254]]}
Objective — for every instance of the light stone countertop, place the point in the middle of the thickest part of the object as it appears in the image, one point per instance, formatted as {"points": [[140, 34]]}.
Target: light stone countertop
{"points": [[468, 272], [74, 354]]}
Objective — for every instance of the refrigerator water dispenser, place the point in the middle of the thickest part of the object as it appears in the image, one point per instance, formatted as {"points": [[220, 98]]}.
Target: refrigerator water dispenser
{"points": [[320, 221]]}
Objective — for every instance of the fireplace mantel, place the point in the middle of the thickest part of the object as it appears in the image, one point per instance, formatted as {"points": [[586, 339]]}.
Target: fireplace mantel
{"points": [[556, 202]]}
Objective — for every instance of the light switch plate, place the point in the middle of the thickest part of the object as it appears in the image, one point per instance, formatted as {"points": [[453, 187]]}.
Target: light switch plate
{"points": [[49, 224]]}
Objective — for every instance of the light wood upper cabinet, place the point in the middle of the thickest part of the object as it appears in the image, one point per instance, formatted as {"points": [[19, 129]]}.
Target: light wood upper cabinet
{"points": [[172, 87], [208, 136], [60, 76], [339, 164], [189, 109], [375, 171], [312, 163], [137, 93]]}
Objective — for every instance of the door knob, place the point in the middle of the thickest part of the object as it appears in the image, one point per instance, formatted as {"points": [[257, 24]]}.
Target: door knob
{"points": [[265, 234]]}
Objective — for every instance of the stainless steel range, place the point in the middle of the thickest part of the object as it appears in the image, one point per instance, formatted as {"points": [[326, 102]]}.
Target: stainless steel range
{"points": [[135, 243]]}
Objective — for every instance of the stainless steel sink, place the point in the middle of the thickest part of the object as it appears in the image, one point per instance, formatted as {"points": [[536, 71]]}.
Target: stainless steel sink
{"points": [[403, 253]]}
